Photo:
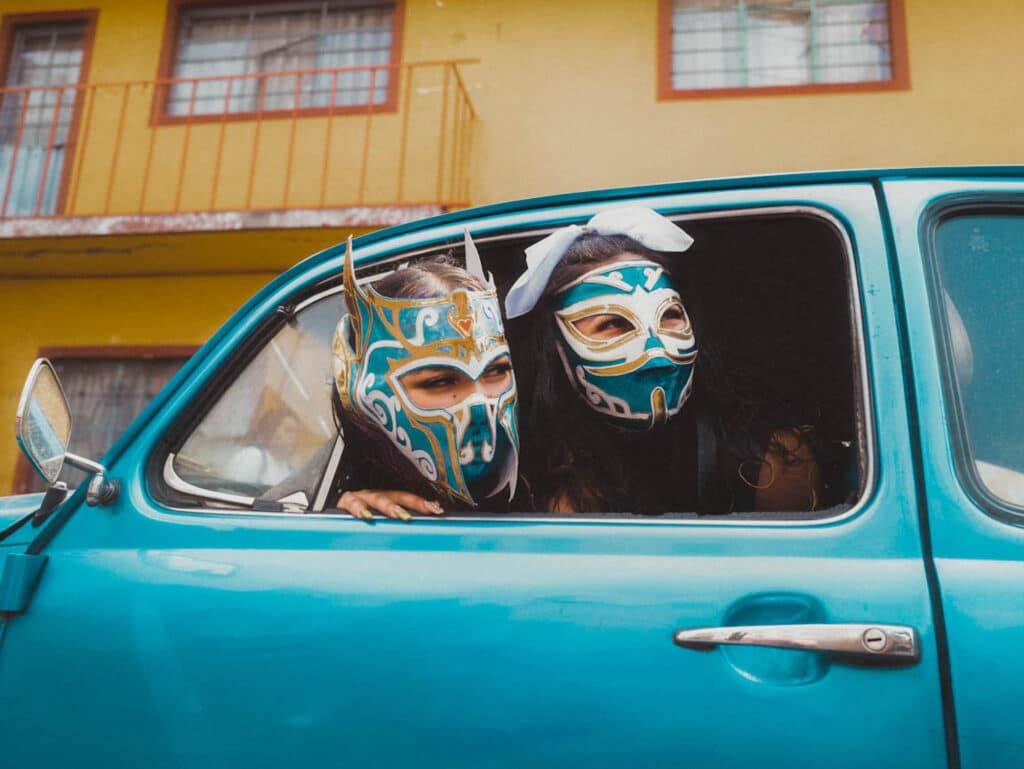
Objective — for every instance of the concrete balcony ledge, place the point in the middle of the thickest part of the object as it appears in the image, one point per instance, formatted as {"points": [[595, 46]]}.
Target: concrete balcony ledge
{"points": [[354, 218], [214, 243]]}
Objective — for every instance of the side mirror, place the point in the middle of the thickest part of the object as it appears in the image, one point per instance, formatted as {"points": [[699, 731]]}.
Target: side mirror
{"points": [[43, 421], [43, 430]]}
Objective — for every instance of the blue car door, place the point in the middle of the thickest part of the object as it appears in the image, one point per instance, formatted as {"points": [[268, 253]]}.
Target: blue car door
{"points": [[961, 247], [170, 634]]}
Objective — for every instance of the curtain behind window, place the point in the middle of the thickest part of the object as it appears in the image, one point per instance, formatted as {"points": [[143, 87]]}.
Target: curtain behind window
{"points": [[41, 56], [734, 44], [233, 41]]}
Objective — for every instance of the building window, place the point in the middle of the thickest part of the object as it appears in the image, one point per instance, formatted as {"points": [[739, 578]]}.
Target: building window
{"points": [[336, 54], [106, 389], [727, 47], [36, 112]]}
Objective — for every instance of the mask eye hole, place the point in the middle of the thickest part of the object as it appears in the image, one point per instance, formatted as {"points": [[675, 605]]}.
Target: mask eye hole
{"points": [[605, 325], [674, 318], [436, 387]]}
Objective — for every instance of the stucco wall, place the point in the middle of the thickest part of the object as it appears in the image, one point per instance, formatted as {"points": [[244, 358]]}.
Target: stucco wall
{"points": [[566, 96], [145, 290]]}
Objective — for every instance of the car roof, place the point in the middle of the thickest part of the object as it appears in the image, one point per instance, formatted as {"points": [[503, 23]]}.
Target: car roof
{"points": [[870, 175]]}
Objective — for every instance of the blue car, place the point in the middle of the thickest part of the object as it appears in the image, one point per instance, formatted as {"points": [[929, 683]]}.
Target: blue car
{"points": [[198, 602]]}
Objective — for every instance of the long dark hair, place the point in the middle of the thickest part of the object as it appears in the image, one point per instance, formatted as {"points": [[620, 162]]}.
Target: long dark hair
{"points": [[577, 459], [371, 460]]}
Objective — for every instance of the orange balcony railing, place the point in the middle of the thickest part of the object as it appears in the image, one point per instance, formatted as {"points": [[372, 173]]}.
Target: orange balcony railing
{"points": [[304, 139]]}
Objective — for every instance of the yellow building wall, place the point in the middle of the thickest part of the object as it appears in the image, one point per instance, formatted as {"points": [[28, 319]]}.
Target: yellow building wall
{"points": [[566, 98], [567, 90], [103, 311], [124, 291], [565, 93]]}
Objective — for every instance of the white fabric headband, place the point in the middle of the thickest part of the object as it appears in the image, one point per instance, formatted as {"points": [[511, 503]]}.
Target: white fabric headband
{"points": [[644, 225]]}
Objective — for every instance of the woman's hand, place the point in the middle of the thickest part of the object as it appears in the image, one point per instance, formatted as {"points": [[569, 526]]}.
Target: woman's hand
{"points": [[388, 502]]}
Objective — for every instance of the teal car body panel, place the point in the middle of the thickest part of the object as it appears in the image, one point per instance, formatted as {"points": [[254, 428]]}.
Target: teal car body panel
{"points": [[163, 637], [978, 555]]}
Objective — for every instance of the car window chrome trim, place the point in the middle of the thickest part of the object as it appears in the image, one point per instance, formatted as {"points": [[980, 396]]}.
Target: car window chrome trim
{"points": [[318, 297], [863, 402], [340, 288], [328, 477], [176, 482]]}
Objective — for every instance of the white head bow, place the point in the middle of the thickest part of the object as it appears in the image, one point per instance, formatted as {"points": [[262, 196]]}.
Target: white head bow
{"points": [[644, 225]]}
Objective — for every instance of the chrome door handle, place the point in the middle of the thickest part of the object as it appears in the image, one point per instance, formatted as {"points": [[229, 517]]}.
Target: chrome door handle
{"points": [[852, 639]]}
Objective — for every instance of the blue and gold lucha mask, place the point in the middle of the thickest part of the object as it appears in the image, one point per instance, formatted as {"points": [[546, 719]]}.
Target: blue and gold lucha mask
{"points": [[641, 376], [468, 450]]}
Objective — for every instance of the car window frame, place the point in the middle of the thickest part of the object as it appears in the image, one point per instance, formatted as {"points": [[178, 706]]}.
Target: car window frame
{"points": [[958, 429], [284, 314], [862, 401], [161, 470]]}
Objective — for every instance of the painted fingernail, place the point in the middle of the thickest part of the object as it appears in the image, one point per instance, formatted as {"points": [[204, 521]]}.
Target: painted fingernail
{"points": [[366, 514], [435, 508], [402, 513]]}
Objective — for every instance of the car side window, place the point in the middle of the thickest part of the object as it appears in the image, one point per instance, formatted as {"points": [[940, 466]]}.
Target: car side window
{"points": [[979, 293], [269, 442], [272, 429]]}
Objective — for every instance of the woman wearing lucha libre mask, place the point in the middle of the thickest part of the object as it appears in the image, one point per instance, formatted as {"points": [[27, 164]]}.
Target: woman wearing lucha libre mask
{"points": [[425, 392], [626, 408]]}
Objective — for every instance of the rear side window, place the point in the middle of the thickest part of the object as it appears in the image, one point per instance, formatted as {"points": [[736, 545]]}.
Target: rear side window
{"points": [[979, 293]]}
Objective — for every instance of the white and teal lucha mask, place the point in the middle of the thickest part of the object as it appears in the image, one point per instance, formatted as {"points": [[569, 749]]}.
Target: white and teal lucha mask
{"points": [[468, 450], [642, 376]]}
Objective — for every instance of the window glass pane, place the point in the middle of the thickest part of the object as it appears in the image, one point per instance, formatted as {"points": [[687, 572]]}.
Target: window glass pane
{"points": [[778, 45], [852, 40], [981, 265], [750, 43], [275, 422], [237, 40]]}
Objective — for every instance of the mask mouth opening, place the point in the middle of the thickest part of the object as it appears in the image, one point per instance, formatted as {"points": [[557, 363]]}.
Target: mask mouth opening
{"points": [[477, 450], [489, 478]]}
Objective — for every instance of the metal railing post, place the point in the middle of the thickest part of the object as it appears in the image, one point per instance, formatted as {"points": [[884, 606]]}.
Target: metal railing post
{"points": [[80, 153], [291, 142], [366, 136], [117, 148], [215, 183], [328, 135], [185, 145], [49, 151], [444, 129], [404, 136]]}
